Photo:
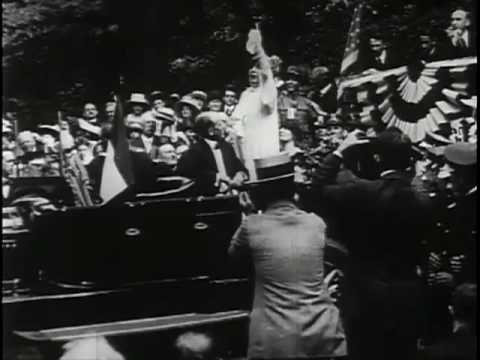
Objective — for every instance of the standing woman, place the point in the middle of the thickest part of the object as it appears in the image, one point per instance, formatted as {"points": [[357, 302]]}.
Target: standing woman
{"points": [[186, 110], [256, 115]]}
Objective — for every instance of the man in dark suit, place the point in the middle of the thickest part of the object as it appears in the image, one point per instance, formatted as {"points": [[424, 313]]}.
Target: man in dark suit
{"points": [[211, 161], [381, 56], [462, 41], [462, 219], [382, 222], [462, 344]]}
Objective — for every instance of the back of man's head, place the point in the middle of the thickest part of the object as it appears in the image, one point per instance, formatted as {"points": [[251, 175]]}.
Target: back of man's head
{"points": [[194, 346], [464, 303], [204, 122], [394, 149]]}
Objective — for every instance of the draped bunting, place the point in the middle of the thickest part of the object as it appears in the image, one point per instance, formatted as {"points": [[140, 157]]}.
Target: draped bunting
{"points": [[420, 99]]}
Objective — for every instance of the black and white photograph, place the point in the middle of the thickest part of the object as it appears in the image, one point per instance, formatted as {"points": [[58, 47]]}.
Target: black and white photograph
{"points": [[239, 179]]}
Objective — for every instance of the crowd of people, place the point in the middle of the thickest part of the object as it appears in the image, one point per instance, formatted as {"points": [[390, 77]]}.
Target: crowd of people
{"points": [[405, 214]]}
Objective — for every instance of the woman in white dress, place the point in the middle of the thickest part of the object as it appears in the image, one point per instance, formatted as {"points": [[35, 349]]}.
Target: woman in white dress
{"points": [[256, 117]]}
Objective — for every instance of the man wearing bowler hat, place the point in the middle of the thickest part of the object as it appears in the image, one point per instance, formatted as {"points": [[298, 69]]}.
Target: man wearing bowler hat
{"points": [[293, 315]]}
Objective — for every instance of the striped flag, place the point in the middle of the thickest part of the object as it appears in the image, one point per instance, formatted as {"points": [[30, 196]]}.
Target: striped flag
{"points": [[352, 49], [117, 174]]}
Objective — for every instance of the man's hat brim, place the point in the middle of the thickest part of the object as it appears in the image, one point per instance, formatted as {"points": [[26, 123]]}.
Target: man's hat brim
{"points": [[186, 102], [266, 181]]}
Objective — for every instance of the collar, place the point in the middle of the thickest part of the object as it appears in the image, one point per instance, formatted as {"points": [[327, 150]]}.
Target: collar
{"points": [[472, 191], [387, 172], [383, 55], [212, 143], [465, 37], [325, 89]]}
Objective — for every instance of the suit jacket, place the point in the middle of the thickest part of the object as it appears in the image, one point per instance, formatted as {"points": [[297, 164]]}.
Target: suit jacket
{"points": [[460, 346], [462, 223], [198, 163], [381, 221], [293, 315], [392, 60], [229, 112], [451, 51]]}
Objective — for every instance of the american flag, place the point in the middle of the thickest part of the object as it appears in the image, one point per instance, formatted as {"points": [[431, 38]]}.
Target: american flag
{"points": [[352, 50]]}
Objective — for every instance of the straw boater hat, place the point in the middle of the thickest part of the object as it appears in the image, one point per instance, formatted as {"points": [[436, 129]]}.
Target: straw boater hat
{"points": [[166, 114], [190, 102], [200, 95], [297, 72], [174, 97], [334, 120], [273, 169], [53, 130], [156, 95], [138, 98], [135, 125]]}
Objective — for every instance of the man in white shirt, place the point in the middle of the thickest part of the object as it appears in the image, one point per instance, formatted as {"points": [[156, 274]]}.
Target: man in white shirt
{"points": [[229, 100], [90, 114]]}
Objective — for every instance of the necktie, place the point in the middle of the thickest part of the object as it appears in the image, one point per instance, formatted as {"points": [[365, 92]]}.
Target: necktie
{"points": [[461, 43]]}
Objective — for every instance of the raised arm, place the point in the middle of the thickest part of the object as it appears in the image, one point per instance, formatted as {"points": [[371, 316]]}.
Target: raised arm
{"points": [[268, 90]]}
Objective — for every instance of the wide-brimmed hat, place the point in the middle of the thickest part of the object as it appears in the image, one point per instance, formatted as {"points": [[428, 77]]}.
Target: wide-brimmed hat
{"points": [[134, 124], [174, 97], [187, 101], [334, 120], [49, 129], [296, 72], [138, 98], [166, 114], [199, 94], [461, 153], [215, 95], [272, 169], [156, 95], [319, 71]]}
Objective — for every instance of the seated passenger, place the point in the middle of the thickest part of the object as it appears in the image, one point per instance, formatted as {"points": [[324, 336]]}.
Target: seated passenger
{"points": [[166, 160], [211, 161]]}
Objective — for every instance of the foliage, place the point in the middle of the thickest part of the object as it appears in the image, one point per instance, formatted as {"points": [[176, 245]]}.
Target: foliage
{"points": [[64, 52]]}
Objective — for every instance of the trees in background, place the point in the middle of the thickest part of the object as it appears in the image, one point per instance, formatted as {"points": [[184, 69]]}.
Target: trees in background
{"points": [[58, 54]]}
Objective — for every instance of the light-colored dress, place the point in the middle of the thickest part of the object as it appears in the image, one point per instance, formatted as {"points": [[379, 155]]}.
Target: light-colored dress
{"points": [[256, 119]]}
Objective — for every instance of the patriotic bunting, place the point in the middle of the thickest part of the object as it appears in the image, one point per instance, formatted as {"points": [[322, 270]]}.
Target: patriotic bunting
{"points": [[419, 99]]}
